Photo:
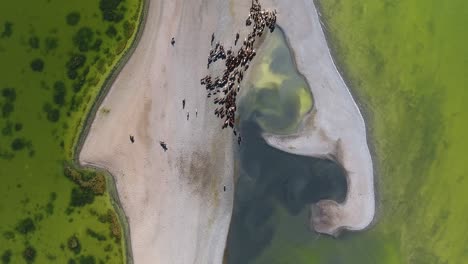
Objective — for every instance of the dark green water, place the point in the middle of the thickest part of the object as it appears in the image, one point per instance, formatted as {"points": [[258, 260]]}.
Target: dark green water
{"points": [[272, 195], [274, 188], [277, 96]]}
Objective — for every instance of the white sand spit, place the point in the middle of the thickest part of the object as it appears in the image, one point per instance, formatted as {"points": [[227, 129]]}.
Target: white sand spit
{"points": [[334, 129]]}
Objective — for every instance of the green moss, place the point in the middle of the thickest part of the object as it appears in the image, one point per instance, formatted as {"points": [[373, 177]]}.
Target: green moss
{"points": [[87, 259], [7, 109], [7, 30], [73, 18], [128, 27], [8, 235], [26, 226], [18, 144], [95, 235], [49, 208], [111, 10], [34, 42], [6, 256], [108, 248], [72, 74], [83, 39], [81, 197], [18, 127], [6, 155], [111, 32], [75, 62], [97, 45], [74, 244], [37, 65], [53, 115], [29, 254], [59, 93], [9, 94], [51, 43], [7, 130]]}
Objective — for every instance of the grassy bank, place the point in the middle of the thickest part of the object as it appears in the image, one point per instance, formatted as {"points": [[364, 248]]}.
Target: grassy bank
{"points": [[54, 58]]}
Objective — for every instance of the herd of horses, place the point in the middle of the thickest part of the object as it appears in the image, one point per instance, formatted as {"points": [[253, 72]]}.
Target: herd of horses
{"points": [[226, 87]]}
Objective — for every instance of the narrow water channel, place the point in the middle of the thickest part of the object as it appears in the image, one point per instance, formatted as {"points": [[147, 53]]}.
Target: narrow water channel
{"points": [[274, 188]]}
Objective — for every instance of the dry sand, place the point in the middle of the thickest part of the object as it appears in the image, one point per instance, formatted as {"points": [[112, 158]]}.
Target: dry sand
{"points": [[175, 203]]}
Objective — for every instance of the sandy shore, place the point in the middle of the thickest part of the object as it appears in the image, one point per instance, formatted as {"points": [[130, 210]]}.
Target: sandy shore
{"points": [[176, 207], [334, 129], [175, 203]]}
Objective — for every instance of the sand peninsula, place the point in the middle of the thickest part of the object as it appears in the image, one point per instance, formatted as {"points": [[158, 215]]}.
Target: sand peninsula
{"points": [[334, 129], [177, 209]]}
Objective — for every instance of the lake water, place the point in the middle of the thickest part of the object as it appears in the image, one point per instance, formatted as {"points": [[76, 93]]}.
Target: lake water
{"points": [[406, 62], [277, 96], [274, 188]]}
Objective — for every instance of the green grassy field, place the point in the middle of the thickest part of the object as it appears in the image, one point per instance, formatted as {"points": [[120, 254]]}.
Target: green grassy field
{"points": [[54, 58], [407, 64]]}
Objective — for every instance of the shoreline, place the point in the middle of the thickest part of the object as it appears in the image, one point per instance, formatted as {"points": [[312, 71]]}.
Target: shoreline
{"points": [[363, 108], [111, 188], [319, 137], [175, 200], [172, 199]]}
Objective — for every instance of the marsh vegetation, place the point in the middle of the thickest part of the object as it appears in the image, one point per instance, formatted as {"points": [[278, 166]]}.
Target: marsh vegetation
{"points": [[55, 57]]}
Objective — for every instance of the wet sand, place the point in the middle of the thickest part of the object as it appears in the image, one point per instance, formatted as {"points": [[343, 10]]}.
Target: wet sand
{"points": [[174, 201]]}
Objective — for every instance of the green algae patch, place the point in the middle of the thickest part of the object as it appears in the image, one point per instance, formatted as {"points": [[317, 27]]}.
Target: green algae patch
{"points": [[406, 62], [55, 59], [278, 96]]}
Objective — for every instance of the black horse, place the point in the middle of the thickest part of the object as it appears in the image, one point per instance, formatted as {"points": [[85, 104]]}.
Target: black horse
{"points": [[163, 145]]}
